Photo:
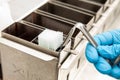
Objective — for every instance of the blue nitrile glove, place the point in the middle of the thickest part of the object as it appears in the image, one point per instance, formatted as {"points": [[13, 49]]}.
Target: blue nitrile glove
{"points": [[108, 48]]}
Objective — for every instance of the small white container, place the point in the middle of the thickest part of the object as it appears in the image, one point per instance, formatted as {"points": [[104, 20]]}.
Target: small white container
{"points": [[50, 39]]}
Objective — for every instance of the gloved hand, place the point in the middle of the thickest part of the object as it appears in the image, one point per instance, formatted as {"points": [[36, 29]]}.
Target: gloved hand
{"points": [[108, 48]]}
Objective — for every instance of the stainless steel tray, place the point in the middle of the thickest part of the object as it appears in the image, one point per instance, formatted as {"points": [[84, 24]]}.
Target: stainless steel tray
{"points": [[21, 56]]}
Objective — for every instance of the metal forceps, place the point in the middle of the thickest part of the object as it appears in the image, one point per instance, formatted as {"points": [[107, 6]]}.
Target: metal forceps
{"points": [[88, 36]]}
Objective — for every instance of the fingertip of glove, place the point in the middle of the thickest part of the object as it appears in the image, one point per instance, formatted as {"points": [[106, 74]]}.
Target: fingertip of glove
{"points": [[104, 38], [109, 52], [96, 38], [103, 66], [101, 49], [115, 72], [91, 53]]}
